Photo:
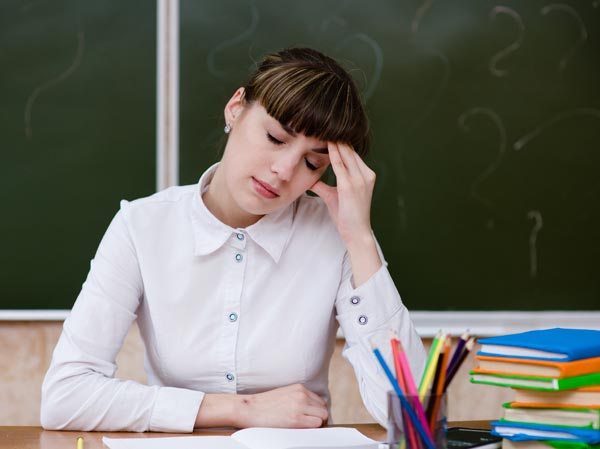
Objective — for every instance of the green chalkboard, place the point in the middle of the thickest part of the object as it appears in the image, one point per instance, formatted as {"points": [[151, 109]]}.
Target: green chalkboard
{"points": [[486, 127], [485, 119], [77, 127]]}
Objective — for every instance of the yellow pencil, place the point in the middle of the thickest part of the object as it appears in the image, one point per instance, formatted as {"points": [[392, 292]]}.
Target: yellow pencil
{"points": [[431, 364]]}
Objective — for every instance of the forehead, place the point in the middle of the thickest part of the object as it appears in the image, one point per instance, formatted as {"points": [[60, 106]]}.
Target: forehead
{"points": [[261, 114]]}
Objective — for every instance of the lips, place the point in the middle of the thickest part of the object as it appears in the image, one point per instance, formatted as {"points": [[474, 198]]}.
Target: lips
{"points": [[264, 189]]}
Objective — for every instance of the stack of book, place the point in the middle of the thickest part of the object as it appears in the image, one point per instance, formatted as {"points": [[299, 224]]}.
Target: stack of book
{"points": [[555, 374]]}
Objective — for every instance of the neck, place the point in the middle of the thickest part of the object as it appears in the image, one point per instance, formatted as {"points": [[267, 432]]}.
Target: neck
{"points": [[220, 203]]}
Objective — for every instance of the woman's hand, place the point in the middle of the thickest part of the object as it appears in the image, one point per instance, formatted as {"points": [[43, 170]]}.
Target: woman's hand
{"points": [[292, 406], [349, 205]]}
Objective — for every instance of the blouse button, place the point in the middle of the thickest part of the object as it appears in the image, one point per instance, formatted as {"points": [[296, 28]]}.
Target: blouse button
{"points": [[233, 317], [355, 300], [240, 236], [362, 319], [238, 257], [230, 377]]}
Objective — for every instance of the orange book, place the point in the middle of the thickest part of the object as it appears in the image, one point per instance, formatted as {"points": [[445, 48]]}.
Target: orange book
{"points": [[542, 368], [585, 397]]}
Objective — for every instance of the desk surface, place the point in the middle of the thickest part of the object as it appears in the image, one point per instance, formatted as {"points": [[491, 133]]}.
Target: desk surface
{"points": [[15, 437]]}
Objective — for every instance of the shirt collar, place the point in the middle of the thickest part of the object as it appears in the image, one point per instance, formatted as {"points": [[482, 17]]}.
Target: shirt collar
{"points": [[270, 232]]}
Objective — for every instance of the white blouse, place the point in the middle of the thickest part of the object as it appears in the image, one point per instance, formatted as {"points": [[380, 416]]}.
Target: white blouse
{"points": [[220, 310]]}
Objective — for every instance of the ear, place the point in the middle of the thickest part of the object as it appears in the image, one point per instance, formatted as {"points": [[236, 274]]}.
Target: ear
{"points": [[234, 106]]}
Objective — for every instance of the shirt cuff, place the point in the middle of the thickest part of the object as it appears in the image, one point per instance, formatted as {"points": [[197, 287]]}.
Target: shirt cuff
{"points": [[175, 410], [364, 310]]}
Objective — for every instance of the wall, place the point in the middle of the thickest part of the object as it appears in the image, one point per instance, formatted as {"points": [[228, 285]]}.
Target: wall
{"points": [[26, 350]]}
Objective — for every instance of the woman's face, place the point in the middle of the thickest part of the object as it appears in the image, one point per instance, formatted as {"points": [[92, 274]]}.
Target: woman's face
{"points": [[266, 166]]}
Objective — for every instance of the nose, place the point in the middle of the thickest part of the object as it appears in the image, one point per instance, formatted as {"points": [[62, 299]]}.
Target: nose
{"points": [[284, 165]]}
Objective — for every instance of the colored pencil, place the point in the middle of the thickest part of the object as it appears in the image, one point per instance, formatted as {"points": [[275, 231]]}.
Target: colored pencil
{"points": [[411, 413], [458, 351], [431, 365], [439, 387], [397, 366], [468, 347], [412, 388], [402, 381], [434, 382]]}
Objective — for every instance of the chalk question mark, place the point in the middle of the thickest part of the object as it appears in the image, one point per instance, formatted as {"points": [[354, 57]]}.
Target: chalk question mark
{"points": [[421, 11], [520, 143], [512, 47], [495, 118], [246, 34], [53, 82], [377, 54], [583, 35]]}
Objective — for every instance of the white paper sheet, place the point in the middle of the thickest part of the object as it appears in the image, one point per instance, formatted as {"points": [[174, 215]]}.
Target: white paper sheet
{"points": [[202, 442], [255, 438]]}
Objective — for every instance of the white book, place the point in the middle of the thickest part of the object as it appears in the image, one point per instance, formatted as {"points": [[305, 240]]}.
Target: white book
{"points": [[507, 431], [519, 351], [255, 438]]}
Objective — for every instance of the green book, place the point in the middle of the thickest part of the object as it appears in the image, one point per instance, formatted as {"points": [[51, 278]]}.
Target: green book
{"points": [[535, 382], [547, 444]]}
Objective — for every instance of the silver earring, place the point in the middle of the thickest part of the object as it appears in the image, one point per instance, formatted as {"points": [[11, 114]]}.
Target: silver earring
{"points": [[227, 128]]}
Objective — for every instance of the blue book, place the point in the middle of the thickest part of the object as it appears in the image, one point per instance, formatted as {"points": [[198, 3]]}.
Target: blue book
{"points": [[557, 344], [519, 431]]}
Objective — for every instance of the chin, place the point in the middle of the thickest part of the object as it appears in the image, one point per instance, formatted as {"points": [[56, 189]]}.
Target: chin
{"points": [[258, 207], [255, 207]]}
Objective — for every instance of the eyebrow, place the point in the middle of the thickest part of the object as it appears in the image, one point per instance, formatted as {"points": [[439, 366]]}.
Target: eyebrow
{"points": [[292, 133]]}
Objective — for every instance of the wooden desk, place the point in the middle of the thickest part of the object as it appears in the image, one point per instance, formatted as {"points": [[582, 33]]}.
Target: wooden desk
{"points": [[14, 437]]}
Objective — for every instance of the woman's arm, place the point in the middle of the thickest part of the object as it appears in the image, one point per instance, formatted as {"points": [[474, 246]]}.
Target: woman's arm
{"points": [[367, 315], [291, 406], [349, 205], [368, 303], [79, 391]]}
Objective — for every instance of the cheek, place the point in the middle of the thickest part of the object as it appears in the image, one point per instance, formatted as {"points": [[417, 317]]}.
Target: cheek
{"points": [[243, 154], [306, 181]]}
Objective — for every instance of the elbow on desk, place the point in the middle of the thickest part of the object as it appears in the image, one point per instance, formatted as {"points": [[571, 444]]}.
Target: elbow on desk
{"points": [[60, 403], [53, 410], [49, 418]]}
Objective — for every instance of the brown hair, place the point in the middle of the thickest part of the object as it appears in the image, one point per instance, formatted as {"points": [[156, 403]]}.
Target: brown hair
{"points": [[312, 94]]}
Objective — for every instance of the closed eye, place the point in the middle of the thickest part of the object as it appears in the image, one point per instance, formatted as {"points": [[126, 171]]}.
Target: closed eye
{"points": [[274, 140], [311, 166]]}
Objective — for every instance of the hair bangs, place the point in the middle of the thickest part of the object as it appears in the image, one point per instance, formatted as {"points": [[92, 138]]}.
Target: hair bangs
{"points": [[315, 101]]}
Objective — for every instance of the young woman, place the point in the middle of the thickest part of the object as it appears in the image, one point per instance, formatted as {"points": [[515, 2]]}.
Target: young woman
{"points": [[238, 283]]}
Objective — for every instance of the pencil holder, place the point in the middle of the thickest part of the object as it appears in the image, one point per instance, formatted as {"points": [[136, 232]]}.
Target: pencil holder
{"points": [[407, 429]]}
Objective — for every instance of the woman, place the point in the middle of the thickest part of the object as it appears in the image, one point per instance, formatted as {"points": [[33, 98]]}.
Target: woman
{"points": [[238, 283]]}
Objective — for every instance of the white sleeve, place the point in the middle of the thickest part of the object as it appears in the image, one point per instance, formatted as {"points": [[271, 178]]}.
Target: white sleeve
{"points": [[367, 314], [79, 391]]}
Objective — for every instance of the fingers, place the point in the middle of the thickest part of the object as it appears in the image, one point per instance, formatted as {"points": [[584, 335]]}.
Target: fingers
{"points": [[315, 416], [288, 406], [313, 407], [365, 170], [348, 165], [314, 398], [348, 157], [310, 422], [335, 158]]}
